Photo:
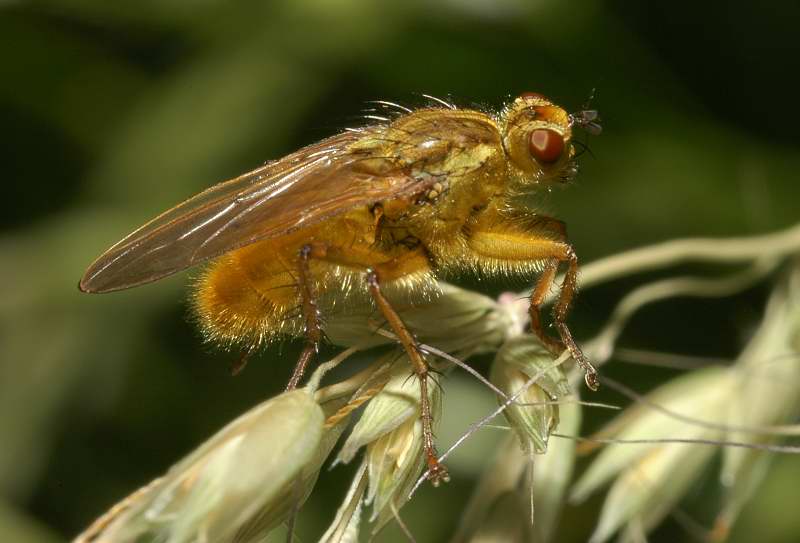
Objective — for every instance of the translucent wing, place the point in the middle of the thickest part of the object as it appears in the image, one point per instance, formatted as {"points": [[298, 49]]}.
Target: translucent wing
{"points": [[301, 189]]}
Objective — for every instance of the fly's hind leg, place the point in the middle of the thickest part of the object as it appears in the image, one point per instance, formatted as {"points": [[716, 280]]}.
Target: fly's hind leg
{"points": [[311, 317], [436, 471], [544, 241]]}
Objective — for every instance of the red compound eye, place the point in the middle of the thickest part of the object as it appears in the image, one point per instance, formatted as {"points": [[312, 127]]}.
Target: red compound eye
{"points": [[546, 145]]}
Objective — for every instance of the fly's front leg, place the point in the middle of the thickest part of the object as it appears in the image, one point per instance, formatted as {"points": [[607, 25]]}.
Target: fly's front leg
{"points": [[568, 288], [538, 296], [544, 240], [311, 317]]}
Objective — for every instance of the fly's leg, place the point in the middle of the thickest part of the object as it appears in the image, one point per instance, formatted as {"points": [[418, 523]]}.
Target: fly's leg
{"points": [[544, 241], [569, 286], [311, 316], [399, 266], [538, 295], [437, 472], [238, 365]]}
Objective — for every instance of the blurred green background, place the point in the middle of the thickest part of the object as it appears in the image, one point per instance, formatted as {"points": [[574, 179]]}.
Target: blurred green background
{"points": [[112, 112]]}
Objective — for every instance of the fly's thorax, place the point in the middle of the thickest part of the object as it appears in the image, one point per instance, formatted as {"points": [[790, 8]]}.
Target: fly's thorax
{"points": [[456, 158], [444, 143], [439, 217], [460, 127]]}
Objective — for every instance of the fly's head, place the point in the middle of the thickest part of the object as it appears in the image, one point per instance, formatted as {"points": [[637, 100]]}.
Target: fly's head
{"points": [[537, 139]]}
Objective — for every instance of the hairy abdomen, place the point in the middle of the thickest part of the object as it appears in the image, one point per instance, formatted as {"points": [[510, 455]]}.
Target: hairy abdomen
{"points": [[247, 296], [251, 296]]}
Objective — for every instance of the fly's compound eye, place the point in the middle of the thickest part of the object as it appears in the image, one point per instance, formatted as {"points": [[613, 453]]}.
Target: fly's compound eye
{"points": [[546, 145]]}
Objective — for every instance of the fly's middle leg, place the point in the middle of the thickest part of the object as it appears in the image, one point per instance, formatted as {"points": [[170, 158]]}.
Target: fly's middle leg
{"points": [[437, 472], [388, 266]]}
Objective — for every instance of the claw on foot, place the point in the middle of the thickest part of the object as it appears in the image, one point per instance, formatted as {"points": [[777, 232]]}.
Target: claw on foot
{"points": [[437, 472], [590, 374], [591, 380]]}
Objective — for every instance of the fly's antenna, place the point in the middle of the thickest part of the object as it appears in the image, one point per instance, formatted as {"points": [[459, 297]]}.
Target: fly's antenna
{"points": [[588, 119]]}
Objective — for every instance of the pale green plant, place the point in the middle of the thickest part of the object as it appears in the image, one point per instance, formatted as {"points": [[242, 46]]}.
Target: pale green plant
{"points": [[256, 473]]}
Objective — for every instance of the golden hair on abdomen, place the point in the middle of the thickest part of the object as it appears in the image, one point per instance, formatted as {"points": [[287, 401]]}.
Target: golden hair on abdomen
{"points": [[247, 297]]}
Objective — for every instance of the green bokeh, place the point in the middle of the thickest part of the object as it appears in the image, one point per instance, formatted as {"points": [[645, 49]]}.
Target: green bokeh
{"points": [[112, 112]]}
